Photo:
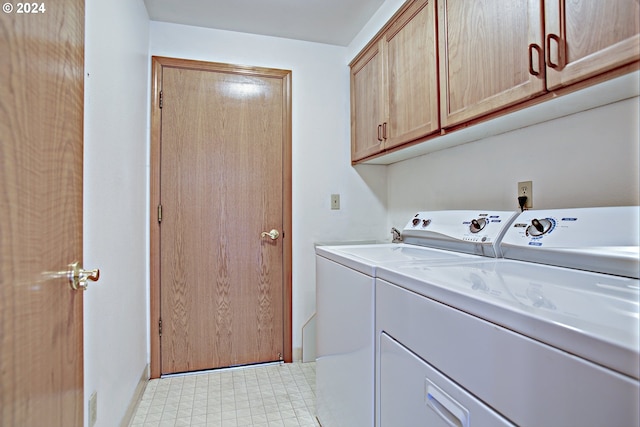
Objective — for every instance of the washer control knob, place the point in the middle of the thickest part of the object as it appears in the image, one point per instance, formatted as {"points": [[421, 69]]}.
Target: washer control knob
{"points": [[539, 227], [477, 225], [415, 221], [426, 222]]}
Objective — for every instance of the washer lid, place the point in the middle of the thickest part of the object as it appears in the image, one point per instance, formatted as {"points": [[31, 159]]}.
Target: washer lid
{"points": [[603, 240], [365, 258]]}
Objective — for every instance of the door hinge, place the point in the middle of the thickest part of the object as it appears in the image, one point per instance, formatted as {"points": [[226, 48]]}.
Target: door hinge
{"points": [[160, 327], [160, 100], [159, 214]]}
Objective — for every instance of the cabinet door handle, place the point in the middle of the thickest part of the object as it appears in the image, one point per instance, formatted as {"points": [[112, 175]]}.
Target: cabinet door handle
{"points": [[537, 48], [379, 132], [384, 130], [555, 38]]}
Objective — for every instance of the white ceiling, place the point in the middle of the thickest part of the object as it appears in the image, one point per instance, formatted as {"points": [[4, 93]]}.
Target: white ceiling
{"points": [[324, 21]]}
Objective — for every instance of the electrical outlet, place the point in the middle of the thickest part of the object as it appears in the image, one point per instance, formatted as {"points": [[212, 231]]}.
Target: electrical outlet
{"points": [[93, 409], [525, 188], [335, 201]]}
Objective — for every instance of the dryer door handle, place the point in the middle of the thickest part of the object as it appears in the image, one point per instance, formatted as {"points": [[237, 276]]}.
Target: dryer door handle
{"points": [[449, 410]]}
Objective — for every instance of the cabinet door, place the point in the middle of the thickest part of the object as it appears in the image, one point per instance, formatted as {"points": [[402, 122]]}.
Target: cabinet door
{"points": [[585, 38], [367, 103], [411, 46], [490, 56]]}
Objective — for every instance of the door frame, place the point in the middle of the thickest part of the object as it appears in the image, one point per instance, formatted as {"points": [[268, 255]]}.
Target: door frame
{"points": [[157, 64]]}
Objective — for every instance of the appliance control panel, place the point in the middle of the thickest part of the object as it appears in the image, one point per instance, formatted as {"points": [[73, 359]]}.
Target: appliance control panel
{"points": [[603, 239], [461, 230], [473, 226], [575, 228]]}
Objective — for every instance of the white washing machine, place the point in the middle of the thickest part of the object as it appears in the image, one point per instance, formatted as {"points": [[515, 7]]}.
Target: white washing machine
{"points": [[345, 300], [550, 338]]}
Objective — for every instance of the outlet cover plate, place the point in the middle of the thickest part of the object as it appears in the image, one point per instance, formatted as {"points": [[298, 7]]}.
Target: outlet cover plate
{"points": [[525, 188]]}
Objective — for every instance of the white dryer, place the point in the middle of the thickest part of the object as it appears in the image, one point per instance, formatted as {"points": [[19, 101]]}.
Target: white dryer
{"points": [[550, 337], [345, 301]]}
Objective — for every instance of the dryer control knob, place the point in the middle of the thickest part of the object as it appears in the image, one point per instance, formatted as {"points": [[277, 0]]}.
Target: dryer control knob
{"points": [[539, 227], [477, 225]]}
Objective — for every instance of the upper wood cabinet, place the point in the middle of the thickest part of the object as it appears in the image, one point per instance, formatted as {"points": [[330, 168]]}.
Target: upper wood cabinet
{"points": [[394, 86], [434, 69], [412, 67], [490, 56], [367, 102], [494, 54], [586, 38]]}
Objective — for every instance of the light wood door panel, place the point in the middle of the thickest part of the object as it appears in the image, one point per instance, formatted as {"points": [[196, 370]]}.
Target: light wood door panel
{"points": [[411, 44], [586, 38], [222, 284], [367, 103], [484, 56], [41, 131]]}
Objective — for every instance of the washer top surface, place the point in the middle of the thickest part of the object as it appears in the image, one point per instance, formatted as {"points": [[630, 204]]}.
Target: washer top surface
{"points": [[429, 236], [591, 315], [365, 258]]}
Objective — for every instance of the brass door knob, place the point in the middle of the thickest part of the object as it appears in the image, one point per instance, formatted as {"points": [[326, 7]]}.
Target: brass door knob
{"points": [[273, 234], [78, 276]]}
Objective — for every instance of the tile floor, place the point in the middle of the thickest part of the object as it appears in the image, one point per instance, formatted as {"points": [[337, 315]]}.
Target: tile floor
{"points": [[259, 396]]}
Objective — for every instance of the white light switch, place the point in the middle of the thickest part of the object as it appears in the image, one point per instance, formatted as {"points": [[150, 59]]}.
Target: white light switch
{"points": [[335, 201]]}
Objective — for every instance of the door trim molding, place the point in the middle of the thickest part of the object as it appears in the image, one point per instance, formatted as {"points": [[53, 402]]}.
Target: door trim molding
{"points": [[157, 64]]}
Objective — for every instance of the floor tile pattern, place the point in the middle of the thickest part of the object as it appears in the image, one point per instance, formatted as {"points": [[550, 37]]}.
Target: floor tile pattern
{"points": [[262, 396]]}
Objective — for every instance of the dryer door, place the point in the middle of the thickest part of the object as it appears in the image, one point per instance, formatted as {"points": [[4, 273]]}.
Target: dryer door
{"points": [[413, 393]]}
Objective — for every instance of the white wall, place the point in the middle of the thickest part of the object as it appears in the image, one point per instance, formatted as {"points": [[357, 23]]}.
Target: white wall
{"points": [[585, 159], [321, 153], [377, 21], [115, 203]]}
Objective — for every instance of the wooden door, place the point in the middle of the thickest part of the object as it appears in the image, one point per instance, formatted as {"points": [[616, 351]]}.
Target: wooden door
{"points": [[412, 74], [368, 102], [41, 114], [223, 182], [490, 56], [586, 38]]}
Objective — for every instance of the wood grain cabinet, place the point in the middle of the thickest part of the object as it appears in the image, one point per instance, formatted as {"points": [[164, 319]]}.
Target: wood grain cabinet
{"points": [[586, 38], [494, 54], [441, 68], [394, 86], [367, 102], [490, 56], [412, 75]]}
